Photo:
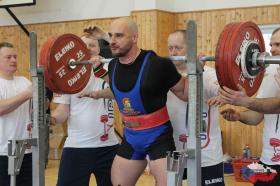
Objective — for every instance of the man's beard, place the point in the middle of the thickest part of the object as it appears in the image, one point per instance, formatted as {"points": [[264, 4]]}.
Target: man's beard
{"points": [[118, 54], [122, 52]]}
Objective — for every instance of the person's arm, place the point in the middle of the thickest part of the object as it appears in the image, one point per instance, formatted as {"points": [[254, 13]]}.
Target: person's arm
{"points": [[181, 89], [60, 113], [97, 32], [99, 71], [97, 94], [240, 98], [247, 117], [234, 97], [10, 104], [265, 105], [215, 101]]}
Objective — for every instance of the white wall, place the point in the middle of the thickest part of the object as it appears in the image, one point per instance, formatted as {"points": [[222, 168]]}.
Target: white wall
{"points": [[267, 32], [144, 4], [167, 5], [65, 10], [192, 5]]}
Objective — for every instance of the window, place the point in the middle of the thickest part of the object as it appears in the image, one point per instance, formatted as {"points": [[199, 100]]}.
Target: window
{"points": [[267, 31]]}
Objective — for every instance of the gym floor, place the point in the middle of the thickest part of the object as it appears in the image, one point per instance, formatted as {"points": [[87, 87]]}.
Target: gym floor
{"points": [[145, 179]]}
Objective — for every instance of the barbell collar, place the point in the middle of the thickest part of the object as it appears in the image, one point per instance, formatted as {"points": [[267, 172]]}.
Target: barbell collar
{"points": [[250, 51], [259, 60]]}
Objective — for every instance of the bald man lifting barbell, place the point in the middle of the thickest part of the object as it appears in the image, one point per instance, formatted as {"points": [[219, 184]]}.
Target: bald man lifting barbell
{"points": [[141, 107], [146, 120], [248, 46]]}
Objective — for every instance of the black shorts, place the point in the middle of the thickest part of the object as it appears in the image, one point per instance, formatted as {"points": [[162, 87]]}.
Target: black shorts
{"points": [[77, 165], [25, 175], [211, 175], [154, 142]]}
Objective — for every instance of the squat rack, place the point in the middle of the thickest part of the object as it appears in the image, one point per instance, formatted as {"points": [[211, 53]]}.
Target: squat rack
{"points": [[192, 155]]}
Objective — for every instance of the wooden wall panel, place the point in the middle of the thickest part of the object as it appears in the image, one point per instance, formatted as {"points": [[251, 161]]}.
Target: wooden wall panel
{"points": [[147, 28], [154, 27], [210, 24], [165, 25]]}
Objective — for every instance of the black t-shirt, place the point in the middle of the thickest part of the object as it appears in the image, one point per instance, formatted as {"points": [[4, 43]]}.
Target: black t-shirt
{"points": [[158, 77]]}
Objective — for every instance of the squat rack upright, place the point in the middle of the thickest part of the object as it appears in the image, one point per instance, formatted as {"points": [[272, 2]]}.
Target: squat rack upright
{"points": [[177, 160]]}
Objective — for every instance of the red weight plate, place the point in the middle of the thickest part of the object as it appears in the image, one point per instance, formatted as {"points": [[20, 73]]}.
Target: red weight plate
{"points": [[227, 52], [220, 55], [242, 33], [231, 84], [61, 50], [44, 59]]}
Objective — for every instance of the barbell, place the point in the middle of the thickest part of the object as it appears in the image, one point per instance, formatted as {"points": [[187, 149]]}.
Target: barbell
{"points": [[240, 57]]}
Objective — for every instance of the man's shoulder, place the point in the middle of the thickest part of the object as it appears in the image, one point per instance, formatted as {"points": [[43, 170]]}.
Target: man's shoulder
{"points": [[154, 57], [111, 63], [22, 79]]}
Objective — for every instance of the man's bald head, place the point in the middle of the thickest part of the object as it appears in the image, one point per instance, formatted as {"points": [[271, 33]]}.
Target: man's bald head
{"points": [[123, 35], [126, 23]]}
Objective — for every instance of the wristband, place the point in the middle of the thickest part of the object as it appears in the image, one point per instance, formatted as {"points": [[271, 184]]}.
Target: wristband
{"points": [[100, 72], [98, 67]]}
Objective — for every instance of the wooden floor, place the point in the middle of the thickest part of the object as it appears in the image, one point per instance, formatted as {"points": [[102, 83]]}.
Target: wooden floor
{"points": [[145, 180]]}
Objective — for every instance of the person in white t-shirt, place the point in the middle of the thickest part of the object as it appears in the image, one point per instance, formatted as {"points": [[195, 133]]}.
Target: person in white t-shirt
{"points": [[211, 142], [15, 95], [271, 133], [91, 144]]}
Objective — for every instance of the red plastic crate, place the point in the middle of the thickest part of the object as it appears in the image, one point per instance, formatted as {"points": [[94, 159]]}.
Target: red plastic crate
{"points": [[237, 164]]}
